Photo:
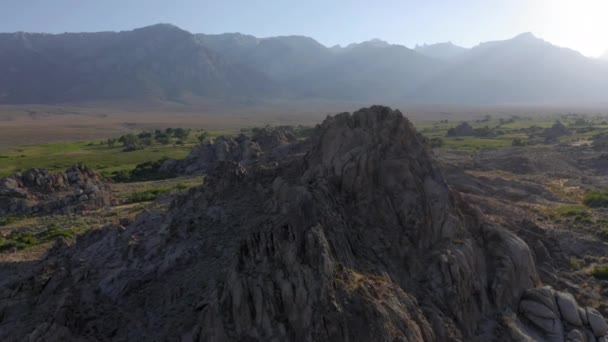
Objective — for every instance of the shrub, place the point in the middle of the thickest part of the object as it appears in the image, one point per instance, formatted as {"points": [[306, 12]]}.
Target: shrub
{"points": [[142, 172], [577, 264], [147, 195], [9, 220], [181, 133], [576, 211], [21, 240], [203, 136], [596, 199], [600, 272], [436, 142], [518, 142]]}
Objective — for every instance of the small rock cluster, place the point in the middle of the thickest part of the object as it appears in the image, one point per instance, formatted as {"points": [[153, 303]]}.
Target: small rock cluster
{"points": [[38, 191], [556, 316]]}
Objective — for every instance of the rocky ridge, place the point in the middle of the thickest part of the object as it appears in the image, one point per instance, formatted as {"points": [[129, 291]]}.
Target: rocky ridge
{"points": [[38, 191], [265, 144], [361, 239]]}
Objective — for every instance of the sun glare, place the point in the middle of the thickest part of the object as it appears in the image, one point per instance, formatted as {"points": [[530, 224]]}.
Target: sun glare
{"points": [[582, 24]]}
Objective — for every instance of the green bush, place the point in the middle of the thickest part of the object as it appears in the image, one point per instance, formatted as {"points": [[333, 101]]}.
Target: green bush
{"points": [[436, 142], [518, 142], [600, 272], [147, 195], [21, 240], [147, 171], [575, 211], [9, 219], [596, 199]]}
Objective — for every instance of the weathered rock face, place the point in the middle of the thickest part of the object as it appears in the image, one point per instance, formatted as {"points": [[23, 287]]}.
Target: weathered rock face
{"points": [[266, 144], [40, 192], [359, 240], [555, 316]]}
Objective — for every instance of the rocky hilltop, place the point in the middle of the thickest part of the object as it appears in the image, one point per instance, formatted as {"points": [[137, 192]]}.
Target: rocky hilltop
{"points": [[37, 191], [359, 239]]}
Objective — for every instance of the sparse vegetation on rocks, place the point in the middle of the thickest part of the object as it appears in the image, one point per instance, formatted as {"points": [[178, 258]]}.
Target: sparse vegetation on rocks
{"points": [[596, 199]]}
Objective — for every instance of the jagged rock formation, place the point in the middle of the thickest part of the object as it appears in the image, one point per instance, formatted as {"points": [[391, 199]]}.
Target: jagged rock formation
{"points": [[267, 143], [361, 239], [37, 191]]}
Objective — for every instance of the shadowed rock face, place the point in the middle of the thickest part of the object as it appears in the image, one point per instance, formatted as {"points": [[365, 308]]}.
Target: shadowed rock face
{"points": [[40, 192], [359, 240]]}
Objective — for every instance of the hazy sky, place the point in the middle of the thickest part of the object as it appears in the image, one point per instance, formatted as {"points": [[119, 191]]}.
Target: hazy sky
{"points": [[578, 24]]}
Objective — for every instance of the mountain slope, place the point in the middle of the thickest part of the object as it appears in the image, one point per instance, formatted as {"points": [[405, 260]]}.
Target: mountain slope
{"points": [[370, 71], [522, 69], [156, 62], [279, 58], [163, 62], [444, 51]]}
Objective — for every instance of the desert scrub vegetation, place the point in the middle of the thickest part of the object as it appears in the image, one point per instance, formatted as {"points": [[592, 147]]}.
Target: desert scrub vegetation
{"points": [[147, 195], [577, 213], [600, 272], [21, 240], [107, 156], [10, 220], [152, 194], [596, 199], [576, 264], [147, 171]]}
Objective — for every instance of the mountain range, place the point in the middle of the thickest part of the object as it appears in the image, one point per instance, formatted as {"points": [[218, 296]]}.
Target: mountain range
{"points": [[164, 62]]}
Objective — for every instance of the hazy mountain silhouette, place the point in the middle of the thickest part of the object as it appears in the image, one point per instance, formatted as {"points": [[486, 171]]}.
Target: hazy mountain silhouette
{"points": [[444, 51], [364, 71], [279, 58], [160, 62], [520, 70], [371, 71], [163, 62]]}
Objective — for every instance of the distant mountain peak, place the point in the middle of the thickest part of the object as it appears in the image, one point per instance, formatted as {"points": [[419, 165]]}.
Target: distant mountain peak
{"points": [[526, 36], [444, 50], [425, 45], [376, 42], [161, 27]]}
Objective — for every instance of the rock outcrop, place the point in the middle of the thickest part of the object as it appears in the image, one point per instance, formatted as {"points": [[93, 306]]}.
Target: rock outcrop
{"points": [[361, 239], [265, 144], [555, 316], [37, 191]]}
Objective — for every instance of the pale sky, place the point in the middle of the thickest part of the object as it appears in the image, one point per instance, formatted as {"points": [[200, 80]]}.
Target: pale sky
{"points": [[578, 24]]}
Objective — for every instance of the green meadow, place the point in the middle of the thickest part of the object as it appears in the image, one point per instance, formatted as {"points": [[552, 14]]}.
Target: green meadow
{"points": [[95, 154]]}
